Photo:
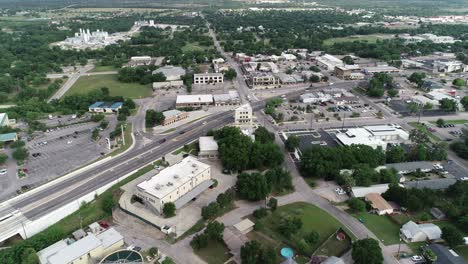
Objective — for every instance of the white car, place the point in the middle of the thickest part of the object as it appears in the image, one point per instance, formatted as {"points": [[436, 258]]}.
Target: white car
{"points": [[69, 142], [3, 171], [464, 179], [416, 258]]}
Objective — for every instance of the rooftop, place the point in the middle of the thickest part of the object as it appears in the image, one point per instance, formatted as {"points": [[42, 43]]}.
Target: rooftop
{"points": [[194, 98], [172, 177], [378, 202], [410, 166], [106, 105], [170, 70], [208, 144], [171, 113], [8, 137], [445, 255], [434, 184], [207, 74]]}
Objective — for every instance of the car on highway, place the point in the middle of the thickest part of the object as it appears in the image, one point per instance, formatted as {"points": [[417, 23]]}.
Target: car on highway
{"points": [[3, 171]]}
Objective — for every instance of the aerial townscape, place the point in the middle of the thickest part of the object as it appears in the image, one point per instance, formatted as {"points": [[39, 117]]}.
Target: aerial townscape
{"points": [[233, 132]]}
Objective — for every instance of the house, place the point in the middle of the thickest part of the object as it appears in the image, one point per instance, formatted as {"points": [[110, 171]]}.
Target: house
{"points": [[194, 100], [172, 73], [7, 137], [445, 255], [4, 121], [379, 205], [172, 116], [208, 147], [89, 249], [103, 107], [359, 192], [412, 232], [178, 184], [207, 78]]}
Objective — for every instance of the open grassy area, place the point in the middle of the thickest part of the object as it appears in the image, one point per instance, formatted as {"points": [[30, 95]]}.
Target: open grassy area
{"points": [[127, 90], [193, 47], [104, 69], [215, 253], [366, 38], [423, 129], [387, 231], [313, 219]]}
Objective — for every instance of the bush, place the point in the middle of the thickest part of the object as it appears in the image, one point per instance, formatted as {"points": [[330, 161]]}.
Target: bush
{"points": [[3, 159], [199, 241], [169, 209], [108, 203], [260, 213], [273, 204], [17, 144], [312, 238], [97, 117], [20, 154], [357, 204]]}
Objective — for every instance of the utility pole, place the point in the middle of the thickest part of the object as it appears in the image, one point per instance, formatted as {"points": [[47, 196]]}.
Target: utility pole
{"points": [[123, 135], [420, 112], [399, 245]]}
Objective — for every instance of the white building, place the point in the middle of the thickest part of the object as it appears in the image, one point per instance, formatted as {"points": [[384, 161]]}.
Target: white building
{"points": [[194, 100], [172, 73], [168, 84], [329, 62], [359, 192], [412, 232], [411, 63], [87, 37], [449, 66], [178, 184], [207, 78], [231, 98], [381, 69], [243, 114], [208, 147], [288, 57], [263, 81], [373, 136], [431, 37], [89, 249], [311, 98], [4, 121]]}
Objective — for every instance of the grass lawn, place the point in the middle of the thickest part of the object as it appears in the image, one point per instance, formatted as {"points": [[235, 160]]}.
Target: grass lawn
{"points": [[191, 148], [382, 227], [128, 141], [462, 251], [193, 47], [455, 122], [313, 219], [416, 247], [104, 69], [127, 90], [214, 253], [423, 129], [367, 38], [443, 224]]}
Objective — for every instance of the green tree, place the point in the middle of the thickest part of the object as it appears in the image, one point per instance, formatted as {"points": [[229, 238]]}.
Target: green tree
{"points": [[357, 204], [367, 251], [29, 256], [417, 78], [97, 117], [169, 209], [108, 203], [292, 143], [199, 241], [3, 158], [153, 118], [312, 238], [253, 187], [314, 68], [279, 179], [289, 226], [211, 210], [440, 122], [459, 82], [452, 236], [464, 102], [273, 204], [314, 78], [448, 105], [95, 134], [167, 260], [395, 154], [252, 252], [20, 154], [348, 60], [263, 136], [230, 74], [214, 231]]}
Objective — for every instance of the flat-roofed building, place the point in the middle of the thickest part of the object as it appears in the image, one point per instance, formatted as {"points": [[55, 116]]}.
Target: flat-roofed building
{"points": [[167, 84], [411, 63], [263, 81], [140, 61], [194, 100], [379, 205], [172, 116], [243, 114], [230, 99], [207, 78], [318, 97], [345, 71], [172, 73], [449, 66], [329, 62], [373, 136], [178, 184], [8, 137], [208, 148], [89, 249], [105, 107], [381, 69]]}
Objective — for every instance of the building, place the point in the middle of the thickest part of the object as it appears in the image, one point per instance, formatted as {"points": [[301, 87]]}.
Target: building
{"points": [[411, 63], [207, 78], [433, 184], [288, 57], [312, 98], [84, 36], [329, 62], [289, 78], [178, 184], [245, 226], [4, 121], [208, 148], [448, 66], [141, 61], [194, 100], [243, 114], [379, 205], [172, 116], [345, 72], [230, 99], [167, 84], [381, 69], [409, 167], [89, 249], [103, 107], [263, 81], [172, 73], [412, 232], [264, 66], [374, 136], [445, 255], [8, 137], [221, 67], [359, 192]]}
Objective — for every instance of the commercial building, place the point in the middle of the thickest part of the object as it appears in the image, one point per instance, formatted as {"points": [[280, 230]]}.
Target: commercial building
{"points": [[141, 61], [243, 114], [103, 107], [431, 37], [346, 72], [4, 121], [178, 184], [289, 78], [8, 137], [381, 69], [448, 66], [329, 62], [230, 99], [194, 100], [208, 148], [412, 232], [172, 73], [433, 184], [311, 98], [89, 249], [207, 78], [221, 67], [288, 57], [411, 63], [409, 167], [379, 205], [263, 81], [172, 116], [168, 84], [373, 136], [252, 67]]}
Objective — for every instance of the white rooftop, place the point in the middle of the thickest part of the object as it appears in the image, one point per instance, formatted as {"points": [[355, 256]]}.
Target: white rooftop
{"points": [[171, 113], [371, 135], [244, 107], [172, 177], [207, 144], [194, 98], [207, 74]]}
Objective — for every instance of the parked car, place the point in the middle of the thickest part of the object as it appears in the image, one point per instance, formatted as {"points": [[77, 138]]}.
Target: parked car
{"points": [[417, 258], [3, 171]]}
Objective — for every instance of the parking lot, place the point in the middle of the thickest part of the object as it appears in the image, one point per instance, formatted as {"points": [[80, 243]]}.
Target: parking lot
{"points": [[309, 138]]}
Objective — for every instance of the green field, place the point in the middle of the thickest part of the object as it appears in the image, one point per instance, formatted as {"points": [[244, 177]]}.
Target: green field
{"points": [[387, 231], [313, 219], [104, 69], [462, 251], [128, 90], [366, 38], [193, 47], [214, 253]]}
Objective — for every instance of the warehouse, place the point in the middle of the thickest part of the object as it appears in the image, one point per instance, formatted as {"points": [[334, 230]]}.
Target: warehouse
{"points": [[373, 136], [194, 101]]}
